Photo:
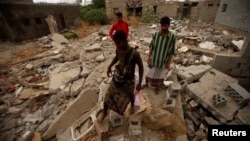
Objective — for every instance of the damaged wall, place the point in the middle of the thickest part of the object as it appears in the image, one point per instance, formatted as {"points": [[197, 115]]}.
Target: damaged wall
{"points": [[26, 21], [238, 65], [203, 10], [234, 14]]}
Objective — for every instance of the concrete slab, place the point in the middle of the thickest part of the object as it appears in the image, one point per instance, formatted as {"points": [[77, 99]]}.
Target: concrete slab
{"points": [[243, 115], [62, 75], [214, 82], [84, 102]]}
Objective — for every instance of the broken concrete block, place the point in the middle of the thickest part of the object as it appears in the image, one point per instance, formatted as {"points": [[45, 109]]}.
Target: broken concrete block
{"points": [[76, 87], [161, 115], [63, 75], [59, 38], [237, 93], [94, 47], [48, 110], [34, 117], [64, 135], [44, 126], [134, 126], [115, 119], [29, 66], [211, 121], [29, 93], [27, 136], [193, 104], [192, 72], [183, 84], [85, 72], [100, 58], [210, 83], [219, 100], [83, 103], [194, 117], [169, 104], [174, 89], [243, 115]]}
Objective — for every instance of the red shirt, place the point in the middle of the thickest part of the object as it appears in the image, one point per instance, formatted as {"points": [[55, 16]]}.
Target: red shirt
{"points": [[119, 26]]}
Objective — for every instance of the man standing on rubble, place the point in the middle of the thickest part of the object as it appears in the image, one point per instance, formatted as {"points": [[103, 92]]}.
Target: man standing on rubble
{"points": [[162, 49], [120, 24], [122, 87]]}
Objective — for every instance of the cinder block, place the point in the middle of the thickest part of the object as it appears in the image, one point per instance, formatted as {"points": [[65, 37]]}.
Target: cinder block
{"points": [[194, 117], [183, 84], [237, 93], [186, 76], [134, 126], [193, 104], [174, 89], [219, 100], [115, 119], [169, 104], [235, 72]]}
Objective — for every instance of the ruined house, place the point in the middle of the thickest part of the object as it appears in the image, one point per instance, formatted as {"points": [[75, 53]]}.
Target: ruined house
{"points": [[22, 20], [204, 10], [236, 19]]}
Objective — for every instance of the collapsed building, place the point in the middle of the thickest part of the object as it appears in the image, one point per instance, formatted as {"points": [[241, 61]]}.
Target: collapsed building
{"points": [[204, 10], [22, 20], [236, 19], [59, 93]]}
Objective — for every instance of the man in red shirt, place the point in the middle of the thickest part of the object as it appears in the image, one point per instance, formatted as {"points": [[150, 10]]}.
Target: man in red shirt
{"points": [[120, 24]]}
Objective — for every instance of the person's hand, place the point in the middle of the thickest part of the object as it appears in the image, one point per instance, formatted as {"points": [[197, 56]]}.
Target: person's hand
{"points": [[138, 87], [109, 72]]}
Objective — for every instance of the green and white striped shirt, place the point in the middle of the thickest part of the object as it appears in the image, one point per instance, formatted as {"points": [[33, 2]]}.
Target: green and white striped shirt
{"points": [[161, 48]]}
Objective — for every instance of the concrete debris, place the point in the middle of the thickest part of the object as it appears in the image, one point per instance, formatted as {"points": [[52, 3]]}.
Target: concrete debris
{"points": [[94, 47], [238, 44], [63, 75], [84, 102], [59, 38], [29, 93], [52, 24], [207, 45], [47, 92]]}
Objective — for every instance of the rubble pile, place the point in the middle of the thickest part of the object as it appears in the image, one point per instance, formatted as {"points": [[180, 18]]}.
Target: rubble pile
{"points": [[49, 94]]}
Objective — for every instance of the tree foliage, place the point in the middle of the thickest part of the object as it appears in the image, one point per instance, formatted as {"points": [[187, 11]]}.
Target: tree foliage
{"points": [[98, 3], [149, 16], [96, 16]]}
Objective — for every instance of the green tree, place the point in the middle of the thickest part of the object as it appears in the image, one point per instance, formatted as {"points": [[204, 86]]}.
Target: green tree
{"points": [[96, 16], [84, 10], [99, 3], [149, 16]]}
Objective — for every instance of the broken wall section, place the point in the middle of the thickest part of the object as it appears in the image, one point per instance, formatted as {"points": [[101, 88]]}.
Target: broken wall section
{"points": [[237, 66]]}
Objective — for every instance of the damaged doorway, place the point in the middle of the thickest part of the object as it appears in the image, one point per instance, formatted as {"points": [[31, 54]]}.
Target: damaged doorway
{"points": [[185, 11], [134, 8], [62, 21], [134, 11]]}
